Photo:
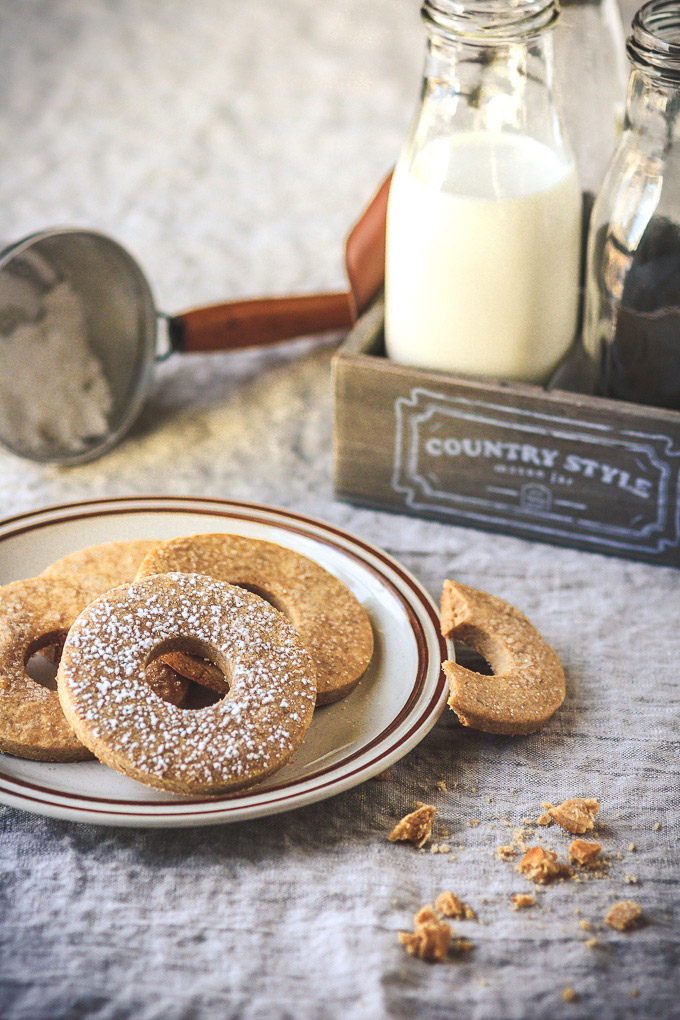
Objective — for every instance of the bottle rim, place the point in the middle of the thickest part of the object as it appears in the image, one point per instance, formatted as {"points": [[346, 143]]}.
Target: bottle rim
{"points": [[654, 44], [490, 21]]}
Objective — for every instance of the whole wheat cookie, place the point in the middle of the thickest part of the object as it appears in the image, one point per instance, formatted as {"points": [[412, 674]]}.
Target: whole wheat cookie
{"points": [[100, 567], [239, 740], [332, 624], [528, 684], [97, 568], [37, 614]]}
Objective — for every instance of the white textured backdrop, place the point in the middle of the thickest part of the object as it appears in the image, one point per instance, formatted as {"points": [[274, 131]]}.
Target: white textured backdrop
{"points": [[230, 146]]}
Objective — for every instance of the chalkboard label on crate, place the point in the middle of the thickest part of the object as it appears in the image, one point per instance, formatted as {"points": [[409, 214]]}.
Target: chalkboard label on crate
{"points": [[552, 466], [520, 470]]}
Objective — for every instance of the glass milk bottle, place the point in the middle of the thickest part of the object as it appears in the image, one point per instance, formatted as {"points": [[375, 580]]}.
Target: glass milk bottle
{"points": [[632, 316], [483, 224]]}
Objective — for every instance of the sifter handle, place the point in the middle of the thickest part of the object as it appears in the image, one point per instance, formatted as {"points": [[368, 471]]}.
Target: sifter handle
{"points": [[258, 322]]}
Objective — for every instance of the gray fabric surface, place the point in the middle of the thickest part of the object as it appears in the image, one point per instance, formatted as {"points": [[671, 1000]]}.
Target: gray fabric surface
{"points": [[230, 146]]}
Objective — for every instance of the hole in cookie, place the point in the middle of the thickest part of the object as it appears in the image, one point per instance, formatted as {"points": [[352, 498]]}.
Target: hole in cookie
{"points": [[471, 659], [42, 659], [191, 664], [200, 697]]}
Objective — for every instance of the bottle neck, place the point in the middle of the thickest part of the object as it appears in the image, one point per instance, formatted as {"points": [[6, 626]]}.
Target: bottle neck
{"points": [[489, 21], [500, 85], [653, 49], [654, 44], [653, 109]]}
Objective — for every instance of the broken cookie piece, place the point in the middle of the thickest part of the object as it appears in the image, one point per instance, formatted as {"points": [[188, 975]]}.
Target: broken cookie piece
{"points": [[415, 827], [576, 815], [430, 939], [527, 686]]}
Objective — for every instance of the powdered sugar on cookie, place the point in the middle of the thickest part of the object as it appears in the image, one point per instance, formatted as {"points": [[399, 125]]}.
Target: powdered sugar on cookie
{"points": [[247, 735]]}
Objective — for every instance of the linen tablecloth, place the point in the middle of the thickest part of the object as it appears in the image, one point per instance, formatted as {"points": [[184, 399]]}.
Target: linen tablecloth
{"points": [[230, 146]]}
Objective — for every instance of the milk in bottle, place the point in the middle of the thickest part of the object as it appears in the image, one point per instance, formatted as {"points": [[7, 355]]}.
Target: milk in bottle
{"points": [[483, 238]]}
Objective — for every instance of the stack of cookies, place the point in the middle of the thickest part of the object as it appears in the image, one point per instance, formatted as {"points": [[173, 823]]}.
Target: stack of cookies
{"points": [[266, 632]]}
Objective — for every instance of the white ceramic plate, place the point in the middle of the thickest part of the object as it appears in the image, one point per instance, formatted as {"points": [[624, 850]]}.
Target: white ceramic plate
{"points": [[388, 713]]}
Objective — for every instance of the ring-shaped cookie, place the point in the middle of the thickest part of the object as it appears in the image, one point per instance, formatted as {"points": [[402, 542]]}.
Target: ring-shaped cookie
{"points": [[32, 724], [37, 614], [100, 567], [239, 740], [332, 624], [528, 683]]}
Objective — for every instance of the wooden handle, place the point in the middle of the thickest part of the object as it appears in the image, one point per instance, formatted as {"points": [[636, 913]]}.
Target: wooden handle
{"points": [[258, 322]]}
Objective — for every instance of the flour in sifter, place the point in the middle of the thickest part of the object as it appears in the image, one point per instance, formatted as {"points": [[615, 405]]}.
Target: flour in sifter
{"points": [[53, 390]]}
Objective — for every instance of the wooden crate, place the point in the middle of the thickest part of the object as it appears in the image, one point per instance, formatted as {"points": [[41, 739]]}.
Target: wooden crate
{"points": [[556, 467]]}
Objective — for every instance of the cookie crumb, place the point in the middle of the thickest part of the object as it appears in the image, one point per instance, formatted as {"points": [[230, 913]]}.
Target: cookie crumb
{"points": [[634, 993], [576, 815], [414, 827], [656, 826], [624, 915], [521, 901], [631, 879], [632, 848], [569, 995], [585, 925], [440, 848], [463, 946], [506, 852], [544, 819], [430, 939], [441, 785], [591, 943], [584, 854], [448, 904], [541, 866]]}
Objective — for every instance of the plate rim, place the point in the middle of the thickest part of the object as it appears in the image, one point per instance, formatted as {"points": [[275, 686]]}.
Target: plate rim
{"points": [[225, 809]]}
